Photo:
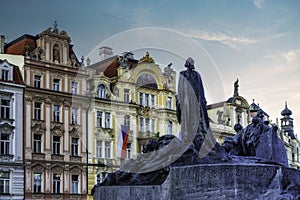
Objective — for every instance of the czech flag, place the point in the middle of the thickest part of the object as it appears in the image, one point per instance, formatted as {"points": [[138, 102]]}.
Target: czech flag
{"points": [[122, 144]]}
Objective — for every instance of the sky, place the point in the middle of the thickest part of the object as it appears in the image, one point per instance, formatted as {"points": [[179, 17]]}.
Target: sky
{"points": [[256, 41]]}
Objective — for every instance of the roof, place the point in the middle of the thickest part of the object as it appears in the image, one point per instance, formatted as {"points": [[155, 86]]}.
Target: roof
{"points": [[286, 111], [110, 65], [17, 78], [17, 46]]}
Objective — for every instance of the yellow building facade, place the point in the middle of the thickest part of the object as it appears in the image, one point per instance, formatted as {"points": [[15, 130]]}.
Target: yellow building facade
{"points": [[126, 92]]}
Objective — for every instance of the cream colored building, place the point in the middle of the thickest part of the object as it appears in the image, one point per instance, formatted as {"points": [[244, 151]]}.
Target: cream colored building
{"points": [[55, 116], [135, 93]]}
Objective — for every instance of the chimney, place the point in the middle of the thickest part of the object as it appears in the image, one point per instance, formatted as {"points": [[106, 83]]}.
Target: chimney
{"points": [[105, 52], [2, 40]]}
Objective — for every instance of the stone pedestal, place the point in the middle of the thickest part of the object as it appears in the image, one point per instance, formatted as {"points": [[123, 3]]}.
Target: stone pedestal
{"points": [[214, 181]]}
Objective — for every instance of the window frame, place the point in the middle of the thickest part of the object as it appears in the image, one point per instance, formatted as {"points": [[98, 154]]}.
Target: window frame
{"points": [[37, 111], [74, 87], [5, 144], [37, 81], [37, 143], [56, 113], [56, 145], [107, 151], [74, 146], [126, 95], [99, 119], [5, 184], [56, 84], [74, 184], [56, 186], [5, 109], [37, 188]]}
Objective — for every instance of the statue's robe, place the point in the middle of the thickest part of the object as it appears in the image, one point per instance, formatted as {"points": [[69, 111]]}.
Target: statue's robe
{"points": [[192, 113]]}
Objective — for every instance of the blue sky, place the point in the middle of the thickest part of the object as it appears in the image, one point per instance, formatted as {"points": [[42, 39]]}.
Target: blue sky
{"points": [[256, 41]]}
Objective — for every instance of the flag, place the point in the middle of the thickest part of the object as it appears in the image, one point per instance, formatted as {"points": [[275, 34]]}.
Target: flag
{"points": [[122, 143]]}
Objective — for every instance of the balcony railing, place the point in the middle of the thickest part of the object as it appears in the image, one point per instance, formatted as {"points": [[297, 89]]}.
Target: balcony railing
{"points": [[146, 134]]}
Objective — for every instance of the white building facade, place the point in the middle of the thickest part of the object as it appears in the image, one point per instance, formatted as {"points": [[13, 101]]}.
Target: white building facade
{"points": [[11, 132]]}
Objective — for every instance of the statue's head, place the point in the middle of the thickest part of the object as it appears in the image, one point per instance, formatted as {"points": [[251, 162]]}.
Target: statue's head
{"points": [[189, 63]]}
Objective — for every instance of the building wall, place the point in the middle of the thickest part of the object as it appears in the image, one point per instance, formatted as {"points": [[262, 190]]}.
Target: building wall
{"points": [[117, 105], [11, 161]]}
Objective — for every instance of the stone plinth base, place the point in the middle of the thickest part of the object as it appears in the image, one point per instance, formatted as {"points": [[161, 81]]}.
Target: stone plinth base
{"points": [[216, 181]]}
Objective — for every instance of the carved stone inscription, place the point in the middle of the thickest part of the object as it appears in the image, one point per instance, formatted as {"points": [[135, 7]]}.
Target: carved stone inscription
{"points": [[223, 177]]}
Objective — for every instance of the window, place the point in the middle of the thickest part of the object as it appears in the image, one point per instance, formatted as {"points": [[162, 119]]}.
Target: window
{"points": [[128, 151], [37, 184], [141, 98], [101, 91], [153, 126], [56, 144], [101, 177], [126, 95], [146, 99], [169, 127], [37, 143], [99, 119], [74, 147], [5, 108], [99, 149], [152, 100], [147, 124], [74, 116], [37, 81], [74, 87], [56, 84], [107, 120], [4, 144], [37, 111], [127, 120], [4, 182], [75, 184], [141, 124], [56, 109], [5, 75], [169, 103], [56, 183], [107, 149]]}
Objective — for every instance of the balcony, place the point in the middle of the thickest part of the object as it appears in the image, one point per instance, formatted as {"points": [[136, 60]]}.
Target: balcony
{"points": [[146, 134]]}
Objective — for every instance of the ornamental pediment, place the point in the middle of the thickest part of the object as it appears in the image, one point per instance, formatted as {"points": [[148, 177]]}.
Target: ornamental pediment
{"points": [[6, 128], [38, 126], [57, 128]]}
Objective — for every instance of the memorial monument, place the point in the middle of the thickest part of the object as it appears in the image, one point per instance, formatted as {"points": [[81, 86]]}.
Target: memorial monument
{"points": [[250, 165]]}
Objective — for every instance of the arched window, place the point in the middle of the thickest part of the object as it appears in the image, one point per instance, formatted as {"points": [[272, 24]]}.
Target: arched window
{"points": [[56, 53], [101, 91], [146, 80]]}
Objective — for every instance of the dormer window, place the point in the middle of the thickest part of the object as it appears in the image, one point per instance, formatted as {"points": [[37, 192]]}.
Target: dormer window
{"points": [[101, 91]]}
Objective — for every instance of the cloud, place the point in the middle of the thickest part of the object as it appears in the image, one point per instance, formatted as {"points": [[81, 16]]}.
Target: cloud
{"points": [[233, 42], [286, 61], [259, 3]]}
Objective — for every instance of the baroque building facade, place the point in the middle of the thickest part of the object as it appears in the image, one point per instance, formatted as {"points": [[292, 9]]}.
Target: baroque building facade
{"points": [[54, 116], [133, 100], [11, 132]]}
